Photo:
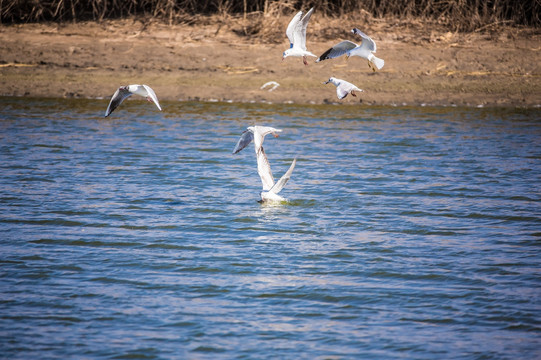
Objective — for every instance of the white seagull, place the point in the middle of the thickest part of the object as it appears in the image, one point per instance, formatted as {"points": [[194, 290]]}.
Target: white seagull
{"points": [[124, 92], [296, 33], [343, 88], [365, 50], [257, 135]]}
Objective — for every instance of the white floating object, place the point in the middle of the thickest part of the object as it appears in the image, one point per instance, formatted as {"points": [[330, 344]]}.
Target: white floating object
{"points": [[274, 83]]}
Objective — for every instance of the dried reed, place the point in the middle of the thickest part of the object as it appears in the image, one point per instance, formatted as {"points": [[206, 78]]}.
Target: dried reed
{"points": [[262, 15]]}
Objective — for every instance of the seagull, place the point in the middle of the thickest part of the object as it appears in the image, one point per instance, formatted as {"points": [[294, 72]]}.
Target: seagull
{"points": [[296, 33], [365, 50], [124, 92], [343, 88], [270, 188]]}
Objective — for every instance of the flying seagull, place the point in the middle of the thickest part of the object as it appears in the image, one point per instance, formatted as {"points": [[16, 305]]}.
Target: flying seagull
{"points": [[365, 50], [124, 92], [343, 88], [296, 33], [257, 135]]}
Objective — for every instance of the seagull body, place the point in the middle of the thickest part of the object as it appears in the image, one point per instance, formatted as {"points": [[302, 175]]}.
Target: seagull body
{"points": [[365, 50], [296, 33], [343, 88], [272, 194], [257, 135], [124, 92]]}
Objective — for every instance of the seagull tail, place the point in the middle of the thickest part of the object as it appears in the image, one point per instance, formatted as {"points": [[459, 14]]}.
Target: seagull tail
{"points": [[378, 62]]}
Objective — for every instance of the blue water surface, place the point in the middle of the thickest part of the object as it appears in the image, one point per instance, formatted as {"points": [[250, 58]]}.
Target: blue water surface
{"points": [[410, 233]]}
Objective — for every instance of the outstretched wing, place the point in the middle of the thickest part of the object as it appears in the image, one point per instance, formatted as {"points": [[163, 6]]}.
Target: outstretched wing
{"points": [[337, 50], [291, 28], [284, 179], [344, 88], [303, 24], [152, 96], [245, 139], [367, 43], [341, 91], [118, 97], [264, 169]]}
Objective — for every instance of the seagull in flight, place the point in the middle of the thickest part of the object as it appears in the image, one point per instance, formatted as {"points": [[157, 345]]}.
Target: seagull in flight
{"points": [[124, 92], [296, 33], [365, 50], [270, 188], [343, 88]]}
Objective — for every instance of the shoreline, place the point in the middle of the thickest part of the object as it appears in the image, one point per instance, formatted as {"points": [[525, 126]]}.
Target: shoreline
{"points": [[137, 101], [210, 63]]}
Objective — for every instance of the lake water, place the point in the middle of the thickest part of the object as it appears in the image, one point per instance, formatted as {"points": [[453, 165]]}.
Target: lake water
{"points": [[409, 233]]}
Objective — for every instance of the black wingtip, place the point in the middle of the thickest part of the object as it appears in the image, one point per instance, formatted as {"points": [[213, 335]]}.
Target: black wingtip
{"points": [[324, 55], [237, 149]]}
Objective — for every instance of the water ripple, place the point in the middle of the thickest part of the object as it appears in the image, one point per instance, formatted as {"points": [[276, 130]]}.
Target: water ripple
{"points": [[409, 233]]}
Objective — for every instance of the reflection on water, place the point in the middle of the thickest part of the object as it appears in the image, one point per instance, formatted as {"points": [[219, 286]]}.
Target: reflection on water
{"points": [[409, 232]]}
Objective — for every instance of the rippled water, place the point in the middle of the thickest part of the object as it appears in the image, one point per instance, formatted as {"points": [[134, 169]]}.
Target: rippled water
{"points": [[410, 232]]}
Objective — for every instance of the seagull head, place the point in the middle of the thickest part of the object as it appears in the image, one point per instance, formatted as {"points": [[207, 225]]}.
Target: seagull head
{"points": [[331, 80], [286, 54]]}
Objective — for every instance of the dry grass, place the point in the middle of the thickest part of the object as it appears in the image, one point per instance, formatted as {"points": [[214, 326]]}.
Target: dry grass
{"points": [[260, 16]]}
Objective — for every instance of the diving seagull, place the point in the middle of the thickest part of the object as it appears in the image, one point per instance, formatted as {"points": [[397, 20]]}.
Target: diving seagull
{"points": [[124, 92], [365, 50], [343, 88], [257, 135], [296, 33]]}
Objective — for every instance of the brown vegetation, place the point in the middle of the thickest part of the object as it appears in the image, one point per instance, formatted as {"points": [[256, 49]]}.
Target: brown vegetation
{"points": [[456, 15]]}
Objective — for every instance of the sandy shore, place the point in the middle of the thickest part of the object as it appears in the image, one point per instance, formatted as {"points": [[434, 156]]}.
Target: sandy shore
{"points": [[212, 62]]}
